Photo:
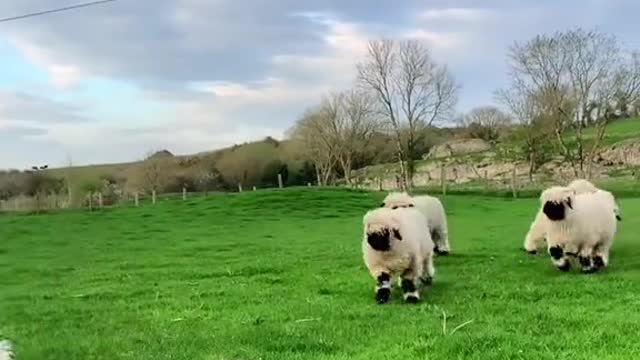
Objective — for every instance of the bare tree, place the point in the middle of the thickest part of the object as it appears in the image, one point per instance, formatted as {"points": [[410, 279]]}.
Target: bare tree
{"points": [[206, 175], [69, 180], [575, 77], [412, 90], [354, 125], [534, 128], [153, 173], [314, 132], [485, 122], [627, 98], [377, 74]]}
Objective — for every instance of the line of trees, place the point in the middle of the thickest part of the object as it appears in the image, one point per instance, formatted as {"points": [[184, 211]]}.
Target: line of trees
{"points": [[562, 83], [559, 85], [400, 93]]}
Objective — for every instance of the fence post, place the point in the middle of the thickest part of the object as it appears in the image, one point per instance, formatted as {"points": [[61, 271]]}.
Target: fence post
{"points": [[239, 187], [280, 181], [514, 181], [443, 179], [100, 200], [153, 196], [136, 199], [486, 180], [380, 184], [254, 188], [308, 184], [184, 193], [90, 201]]}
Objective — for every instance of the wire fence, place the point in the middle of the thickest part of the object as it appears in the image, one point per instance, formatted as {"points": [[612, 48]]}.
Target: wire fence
{"points": [[508, 185], [108, 199]]}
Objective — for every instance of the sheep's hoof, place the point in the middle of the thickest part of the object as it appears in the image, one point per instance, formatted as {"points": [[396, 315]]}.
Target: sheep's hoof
{"points": [[382, 295], [426, 280], [531, 252], [411, 299], [588, 270], [441, 252], [566, 266], [598, 262], [585, 261]]}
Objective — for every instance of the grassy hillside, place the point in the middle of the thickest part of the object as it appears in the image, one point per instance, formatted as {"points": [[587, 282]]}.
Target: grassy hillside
{"points": [[279, 275], [618, 131], [509, 149]]}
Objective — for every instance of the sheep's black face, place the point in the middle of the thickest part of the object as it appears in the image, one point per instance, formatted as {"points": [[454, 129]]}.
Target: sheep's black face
{"points": [[556, 211], [379, 240]]}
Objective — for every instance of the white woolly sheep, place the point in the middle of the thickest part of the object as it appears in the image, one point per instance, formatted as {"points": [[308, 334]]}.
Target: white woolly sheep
{"points": [[582, 186], [432, 209], [537, 232], [6, 352], [395, 244], [584, 222]]}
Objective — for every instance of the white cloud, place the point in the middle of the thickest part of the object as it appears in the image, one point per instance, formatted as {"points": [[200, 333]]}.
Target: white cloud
{"points": [[61, 76], [269, 91], [456, 14], [441, 41], [64, 76], [22, 107]]}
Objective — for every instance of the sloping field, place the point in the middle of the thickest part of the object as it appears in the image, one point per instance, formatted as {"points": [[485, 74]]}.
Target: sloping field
{"points": [[279, 275]]}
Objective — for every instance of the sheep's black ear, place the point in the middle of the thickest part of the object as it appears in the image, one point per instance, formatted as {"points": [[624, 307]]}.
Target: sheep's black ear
{"points": [[396, 233], [569, 203], [411, 205], [394, 207], [382, 205]]}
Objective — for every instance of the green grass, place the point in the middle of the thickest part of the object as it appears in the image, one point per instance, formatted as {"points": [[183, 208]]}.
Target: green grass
{"points": [[279, 275], [621, 187], [617, 131]]}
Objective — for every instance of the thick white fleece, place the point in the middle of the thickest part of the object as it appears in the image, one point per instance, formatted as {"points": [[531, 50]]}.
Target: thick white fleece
{"points": [[537, 230], [432, 209], [588, 226], [411, 256], [582, 186]]}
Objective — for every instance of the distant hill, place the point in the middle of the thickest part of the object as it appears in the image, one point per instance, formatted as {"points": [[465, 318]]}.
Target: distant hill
{"points": [[162, 154]]}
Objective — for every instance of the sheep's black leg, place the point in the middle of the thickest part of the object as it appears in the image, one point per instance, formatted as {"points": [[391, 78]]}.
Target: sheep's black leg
{"points": [[383, 289], [409, 288], [591, 259], [428, 271], [559, 259], [587, 264], [440, 242], [599, 261]]}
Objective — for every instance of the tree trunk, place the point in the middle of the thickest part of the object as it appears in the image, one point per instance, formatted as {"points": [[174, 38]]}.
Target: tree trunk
{"points": [[318, 178], [346, 169], [326, 176], [532, 162], [411, 149], [410, 172], [601, 130]]}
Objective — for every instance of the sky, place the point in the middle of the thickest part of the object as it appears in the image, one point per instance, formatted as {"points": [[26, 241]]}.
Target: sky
{"points": [[113, 82]]}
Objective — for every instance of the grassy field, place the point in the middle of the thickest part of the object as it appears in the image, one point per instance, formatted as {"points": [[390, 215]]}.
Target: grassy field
{"points": [[279, 275]]}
